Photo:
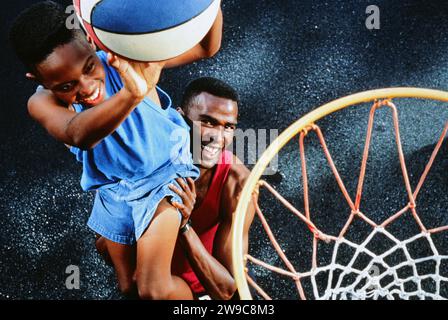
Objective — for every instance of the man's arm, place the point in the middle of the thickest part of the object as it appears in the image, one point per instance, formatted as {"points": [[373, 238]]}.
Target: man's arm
{"points": [[222, 248], [207, 48], [214, 277], [213, 271]]}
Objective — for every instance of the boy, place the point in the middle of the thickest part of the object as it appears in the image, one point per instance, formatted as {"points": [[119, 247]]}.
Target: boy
{"points": [[118, 123]]}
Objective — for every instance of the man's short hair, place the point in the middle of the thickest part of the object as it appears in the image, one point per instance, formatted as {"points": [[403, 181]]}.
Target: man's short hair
{"points": [[209, 85], [38, 30]]}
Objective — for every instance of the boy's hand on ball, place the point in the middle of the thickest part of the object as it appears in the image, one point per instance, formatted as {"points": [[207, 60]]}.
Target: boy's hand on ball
{"points": [[132, 82], [149, 71], [138, 77]]}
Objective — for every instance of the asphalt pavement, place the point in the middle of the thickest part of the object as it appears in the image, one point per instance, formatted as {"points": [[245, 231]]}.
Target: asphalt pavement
{"points": [[285, 58]]}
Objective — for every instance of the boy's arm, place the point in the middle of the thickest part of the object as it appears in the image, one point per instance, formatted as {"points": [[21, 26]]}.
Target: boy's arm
{"points": [[85, 129], [88, 128], [207, 48]]}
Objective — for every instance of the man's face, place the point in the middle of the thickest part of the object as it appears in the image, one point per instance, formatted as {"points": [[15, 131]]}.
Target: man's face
{"points": [[74, 74], [215, 119]]}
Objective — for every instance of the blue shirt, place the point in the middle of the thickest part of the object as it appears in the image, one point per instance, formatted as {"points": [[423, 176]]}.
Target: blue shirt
{"points": [[150, 146]]}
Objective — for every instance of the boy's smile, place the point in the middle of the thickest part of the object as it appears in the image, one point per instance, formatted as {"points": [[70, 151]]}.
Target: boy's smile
{"points": [[96, 97], [74, 74]]}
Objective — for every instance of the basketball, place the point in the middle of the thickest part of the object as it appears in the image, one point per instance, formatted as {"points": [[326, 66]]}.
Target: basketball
{"points": [[147, 30]]}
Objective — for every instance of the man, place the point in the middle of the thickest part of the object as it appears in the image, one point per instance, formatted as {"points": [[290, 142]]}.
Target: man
{"points": [[203, 253]]}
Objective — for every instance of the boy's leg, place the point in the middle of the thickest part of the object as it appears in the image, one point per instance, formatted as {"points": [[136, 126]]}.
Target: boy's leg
{"points": [[154, 254], [123, 259], [101, 247]]}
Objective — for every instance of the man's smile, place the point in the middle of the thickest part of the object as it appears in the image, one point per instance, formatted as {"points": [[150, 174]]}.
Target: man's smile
{"points": [[210, 151]]}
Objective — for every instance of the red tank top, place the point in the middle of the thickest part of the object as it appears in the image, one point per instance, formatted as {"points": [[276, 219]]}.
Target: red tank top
{"points": [[205, 222]]}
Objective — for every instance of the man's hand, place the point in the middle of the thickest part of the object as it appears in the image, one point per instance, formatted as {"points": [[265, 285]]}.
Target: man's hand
{"points": [[188, 196], [139, 78]]}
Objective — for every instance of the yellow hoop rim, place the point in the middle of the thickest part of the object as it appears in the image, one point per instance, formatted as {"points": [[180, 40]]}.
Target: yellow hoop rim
{"points": [[283, 139]]}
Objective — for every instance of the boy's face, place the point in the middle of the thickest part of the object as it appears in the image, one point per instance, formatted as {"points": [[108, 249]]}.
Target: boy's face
{"points": [[215, 119], [74, 74]]}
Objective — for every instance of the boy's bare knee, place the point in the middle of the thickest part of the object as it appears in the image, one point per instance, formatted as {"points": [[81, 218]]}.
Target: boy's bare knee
{"points": [[155, 287], [154, 292]]}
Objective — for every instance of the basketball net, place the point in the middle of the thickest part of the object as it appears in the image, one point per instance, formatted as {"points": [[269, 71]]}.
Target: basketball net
{"points": [[379, 279]]}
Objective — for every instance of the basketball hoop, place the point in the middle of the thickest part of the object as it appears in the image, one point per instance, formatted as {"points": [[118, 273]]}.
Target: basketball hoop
{"points": [[378, 279]]}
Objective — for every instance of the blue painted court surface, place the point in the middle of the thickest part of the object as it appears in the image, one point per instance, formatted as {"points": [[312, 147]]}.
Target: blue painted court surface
{"points": [[285, 58]]}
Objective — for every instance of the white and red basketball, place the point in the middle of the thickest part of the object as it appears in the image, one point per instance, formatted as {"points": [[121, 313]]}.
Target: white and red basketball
{"points": [[147, 30]]}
